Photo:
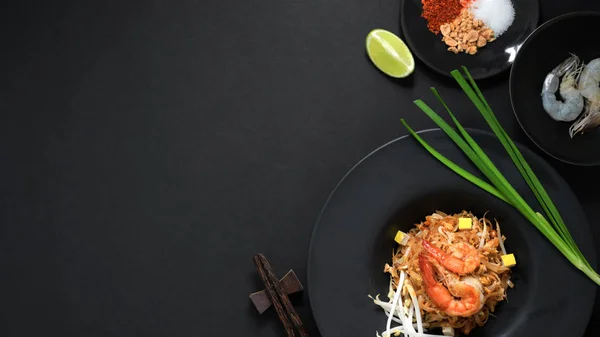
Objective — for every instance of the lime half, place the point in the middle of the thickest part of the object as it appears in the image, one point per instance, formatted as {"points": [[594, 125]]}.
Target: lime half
{"points": [[389, 53]]}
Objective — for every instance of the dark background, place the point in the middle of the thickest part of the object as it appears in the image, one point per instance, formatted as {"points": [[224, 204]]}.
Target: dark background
{"points": [[149, 149]]}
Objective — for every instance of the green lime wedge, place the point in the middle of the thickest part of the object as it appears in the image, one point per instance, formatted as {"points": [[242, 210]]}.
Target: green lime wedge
{"points": [[389, 53]]}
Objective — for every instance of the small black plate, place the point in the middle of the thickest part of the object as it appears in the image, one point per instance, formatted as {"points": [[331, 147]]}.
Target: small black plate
{"points": [[489, 60], [547, 46], [397, 186]]}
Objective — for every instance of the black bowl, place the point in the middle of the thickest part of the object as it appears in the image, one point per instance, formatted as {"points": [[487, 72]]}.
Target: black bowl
{"points": [[546, 47], [397, 186], [491, 60]]}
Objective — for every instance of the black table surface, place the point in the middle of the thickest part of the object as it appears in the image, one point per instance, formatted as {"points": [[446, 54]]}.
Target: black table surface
{"points": [[150, 148]]}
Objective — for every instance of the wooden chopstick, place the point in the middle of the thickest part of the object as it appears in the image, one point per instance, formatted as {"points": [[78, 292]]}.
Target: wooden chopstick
{"points": [[284, 308]]}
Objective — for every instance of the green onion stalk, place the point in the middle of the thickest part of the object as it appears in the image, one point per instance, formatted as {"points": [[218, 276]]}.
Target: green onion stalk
{"points": [[552, 227]]}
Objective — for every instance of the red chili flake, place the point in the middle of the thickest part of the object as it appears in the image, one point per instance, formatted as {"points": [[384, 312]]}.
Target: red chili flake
{"points": [[439, 12]]}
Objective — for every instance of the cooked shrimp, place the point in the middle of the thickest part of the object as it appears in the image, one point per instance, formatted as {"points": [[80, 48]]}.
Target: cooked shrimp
{"points": [[463, 258], [588, 86], [572, 106], [468, 289]]}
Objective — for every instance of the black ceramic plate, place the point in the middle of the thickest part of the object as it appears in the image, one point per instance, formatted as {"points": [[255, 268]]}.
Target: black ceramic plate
{"points": [[397, 186], [489, 61], [539, 54]]}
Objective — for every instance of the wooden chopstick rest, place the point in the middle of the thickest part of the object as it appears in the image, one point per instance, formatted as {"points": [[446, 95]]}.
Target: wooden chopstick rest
{"points": [[290, 284], [279, 298]]}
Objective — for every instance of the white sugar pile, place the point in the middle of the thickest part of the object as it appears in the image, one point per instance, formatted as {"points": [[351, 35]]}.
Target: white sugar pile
{"points": [[496, 14]]}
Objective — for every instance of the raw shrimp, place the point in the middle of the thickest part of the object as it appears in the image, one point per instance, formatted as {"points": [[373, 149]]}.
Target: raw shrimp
{"points": [[588, 86], [468, 289], [589, 79], [463, 258], [573, 101]]}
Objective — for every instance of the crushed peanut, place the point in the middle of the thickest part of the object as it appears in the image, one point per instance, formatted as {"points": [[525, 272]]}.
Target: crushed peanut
{"points": [[466, 34]]}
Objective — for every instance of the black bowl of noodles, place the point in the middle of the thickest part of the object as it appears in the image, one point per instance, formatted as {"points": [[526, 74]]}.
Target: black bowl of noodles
{"points": [[548, 46], [396, 187]]}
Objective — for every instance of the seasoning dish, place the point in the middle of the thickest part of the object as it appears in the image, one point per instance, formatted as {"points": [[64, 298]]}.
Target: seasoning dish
{"points": [[537, 57], [388, 192], [483, 58]]}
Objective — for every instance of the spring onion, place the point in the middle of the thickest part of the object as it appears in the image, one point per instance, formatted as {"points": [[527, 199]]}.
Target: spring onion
{"points": [[553, 229]]}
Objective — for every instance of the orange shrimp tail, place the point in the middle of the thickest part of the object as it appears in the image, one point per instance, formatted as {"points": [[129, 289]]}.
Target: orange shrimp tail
{"points": [[434, 251], [436, 292], [426, 271]]}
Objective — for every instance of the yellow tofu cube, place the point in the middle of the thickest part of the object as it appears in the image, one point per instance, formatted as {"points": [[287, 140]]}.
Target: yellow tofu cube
{"points": [[401, 238], [465, 223], [509, 260]]}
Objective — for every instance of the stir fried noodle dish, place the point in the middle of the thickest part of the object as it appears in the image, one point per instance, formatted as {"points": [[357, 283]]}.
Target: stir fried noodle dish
{"points": [[449, 272]]}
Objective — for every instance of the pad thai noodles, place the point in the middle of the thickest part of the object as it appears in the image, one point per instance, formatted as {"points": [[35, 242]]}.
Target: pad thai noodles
{"points": [[451, 277]]}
